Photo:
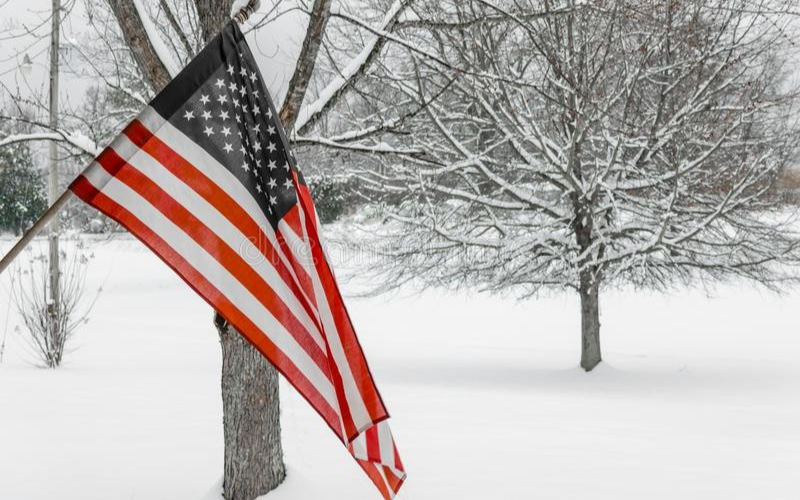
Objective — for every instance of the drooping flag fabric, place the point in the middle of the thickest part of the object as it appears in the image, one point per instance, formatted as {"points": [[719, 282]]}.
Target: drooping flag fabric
{"points": [[205, 178]]}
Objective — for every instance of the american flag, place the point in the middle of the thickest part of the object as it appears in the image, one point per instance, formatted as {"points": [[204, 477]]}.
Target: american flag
{"points": [[205, 178]]}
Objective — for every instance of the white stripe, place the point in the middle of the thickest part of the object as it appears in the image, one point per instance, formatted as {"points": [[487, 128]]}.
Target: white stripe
{"points": [[219, 277], [386, 443], [220, 225], [355, 402]]}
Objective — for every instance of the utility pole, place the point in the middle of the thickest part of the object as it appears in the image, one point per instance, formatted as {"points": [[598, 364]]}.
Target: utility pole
{"points": [[53, 193]]}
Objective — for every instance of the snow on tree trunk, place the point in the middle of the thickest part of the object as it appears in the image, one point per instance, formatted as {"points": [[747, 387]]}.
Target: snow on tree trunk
{"points": [[251, 419]]}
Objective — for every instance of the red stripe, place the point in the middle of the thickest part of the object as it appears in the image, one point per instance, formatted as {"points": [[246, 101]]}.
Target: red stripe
{"points": [[217, 248], [305, 280], [222, 201], [372, 471], [344, 326], [89, 194], [373, 445], [394, 482], [398, 464]]}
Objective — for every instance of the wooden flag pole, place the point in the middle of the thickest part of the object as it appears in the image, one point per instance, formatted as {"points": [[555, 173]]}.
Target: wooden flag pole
{"points": [[62, 200]]}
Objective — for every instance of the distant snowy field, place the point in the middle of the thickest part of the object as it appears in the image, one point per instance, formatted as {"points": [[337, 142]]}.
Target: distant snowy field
{"points": [[699, 398]]}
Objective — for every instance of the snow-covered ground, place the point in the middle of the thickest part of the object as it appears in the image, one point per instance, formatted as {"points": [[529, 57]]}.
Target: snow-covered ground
{"points": [[699, 400]]}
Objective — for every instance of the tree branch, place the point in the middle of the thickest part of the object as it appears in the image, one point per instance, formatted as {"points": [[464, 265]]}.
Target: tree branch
{"points": [[142, 48]]}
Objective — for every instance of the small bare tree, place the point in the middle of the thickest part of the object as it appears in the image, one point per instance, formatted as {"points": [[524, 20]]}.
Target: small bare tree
{"points": [[49, 327]]}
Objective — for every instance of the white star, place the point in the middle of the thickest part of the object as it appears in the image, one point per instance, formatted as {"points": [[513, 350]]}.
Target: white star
{"points": [[206, 115], [224, 115], [222, 98], [226, 131], [258, 188], [273, 200], [243, 71], [272, 165], [269, 113], [242, 150], [271, 130], [258, 162], [288, 184], [220, 83], [272, 183], [245, 167], [236, 102], [271, 147], [255, 93], [189, 115], [243, 91], [286, 166], [239, 120], [230, 69], [256, 110], [253, 77], [208, 131], [232, 86], [204, 99], [257, 146], [270, 209], [228, 148]]}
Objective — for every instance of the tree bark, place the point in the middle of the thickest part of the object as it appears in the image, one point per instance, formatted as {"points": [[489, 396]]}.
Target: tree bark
{"points": [[139, 43], [251, 419], [590, 321], [213, 15], [320, 13]]}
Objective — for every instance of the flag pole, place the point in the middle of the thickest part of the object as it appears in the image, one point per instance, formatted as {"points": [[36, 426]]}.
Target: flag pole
{"points": [[241, 16]]}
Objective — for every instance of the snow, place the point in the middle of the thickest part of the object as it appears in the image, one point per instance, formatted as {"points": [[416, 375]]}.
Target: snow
{"points": [[76, 138], [699, 398]]}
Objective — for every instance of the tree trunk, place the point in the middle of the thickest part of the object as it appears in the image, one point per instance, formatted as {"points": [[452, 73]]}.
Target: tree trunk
{"points": [[590, 321], [251, 419], [135, 34], [213, 15]]}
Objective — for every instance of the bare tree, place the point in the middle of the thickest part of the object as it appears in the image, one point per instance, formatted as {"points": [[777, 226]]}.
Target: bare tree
{"points": [[583, 145]]}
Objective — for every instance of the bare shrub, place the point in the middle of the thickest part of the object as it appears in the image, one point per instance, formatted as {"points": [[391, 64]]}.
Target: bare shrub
{"points": [[49, 326]]}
